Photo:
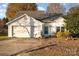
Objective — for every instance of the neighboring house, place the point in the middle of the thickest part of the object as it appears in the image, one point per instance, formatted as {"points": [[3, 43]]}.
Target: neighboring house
{"points": [[35, 24]]}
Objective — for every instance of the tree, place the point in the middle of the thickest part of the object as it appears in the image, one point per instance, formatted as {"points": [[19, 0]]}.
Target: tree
{"points": [[13, 8], [5, 20], [55, 8], [72, 20], [1, 24], [74, 10]]}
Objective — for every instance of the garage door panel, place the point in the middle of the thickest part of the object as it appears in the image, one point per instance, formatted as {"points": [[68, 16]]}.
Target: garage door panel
{"points": [[20, 31]]}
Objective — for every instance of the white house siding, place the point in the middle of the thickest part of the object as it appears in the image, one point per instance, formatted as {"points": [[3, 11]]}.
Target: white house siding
{"points": [[37, 28], [27, 25], [56, 23], [9, 31]]}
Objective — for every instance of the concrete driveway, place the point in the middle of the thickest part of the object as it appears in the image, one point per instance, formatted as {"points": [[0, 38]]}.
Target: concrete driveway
{"points": [[12, 46]]}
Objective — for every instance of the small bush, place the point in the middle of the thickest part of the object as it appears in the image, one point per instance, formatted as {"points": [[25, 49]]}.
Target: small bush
{"points": [[59, 34], [66, 34]]}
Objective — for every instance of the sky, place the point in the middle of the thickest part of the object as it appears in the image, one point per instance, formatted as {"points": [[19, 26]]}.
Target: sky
{"points": [[40, 6]]}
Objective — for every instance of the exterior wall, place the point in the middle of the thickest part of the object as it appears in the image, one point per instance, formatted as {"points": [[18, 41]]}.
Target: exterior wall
{"points": [[37, 27], [33, 27], [9, 31], [57, 23]]}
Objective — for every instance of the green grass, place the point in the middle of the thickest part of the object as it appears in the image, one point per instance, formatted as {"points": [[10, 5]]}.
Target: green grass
{"points": [[3, 38]]}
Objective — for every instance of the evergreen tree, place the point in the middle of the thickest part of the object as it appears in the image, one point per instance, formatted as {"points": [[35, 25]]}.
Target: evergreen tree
{"points": [[72, 20]]}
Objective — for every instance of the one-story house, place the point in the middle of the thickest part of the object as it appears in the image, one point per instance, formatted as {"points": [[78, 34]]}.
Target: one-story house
{"points": [[35, 24]]}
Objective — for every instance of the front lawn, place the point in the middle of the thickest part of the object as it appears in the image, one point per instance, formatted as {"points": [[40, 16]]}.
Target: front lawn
{"points": [[3, 38], [61, 48]]}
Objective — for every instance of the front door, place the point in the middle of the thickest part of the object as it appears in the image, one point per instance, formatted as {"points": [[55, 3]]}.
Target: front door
{"points": [[46, 30]]}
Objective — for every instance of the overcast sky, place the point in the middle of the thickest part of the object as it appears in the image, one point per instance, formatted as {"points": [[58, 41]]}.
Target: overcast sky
{"points": [[40, 6]]}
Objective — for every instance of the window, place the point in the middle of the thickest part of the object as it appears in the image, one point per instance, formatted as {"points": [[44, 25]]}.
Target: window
{"points": [[58, 29], [62, 29]]}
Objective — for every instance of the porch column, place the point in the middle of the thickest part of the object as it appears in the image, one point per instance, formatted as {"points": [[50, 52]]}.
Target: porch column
{"points": [[60, 28]]}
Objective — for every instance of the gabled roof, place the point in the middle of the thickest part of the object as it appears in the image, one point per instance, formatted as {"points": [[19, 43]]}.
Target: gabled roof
{"points": [[34, 14], [38, 15], [49, 17], [15, 19]]}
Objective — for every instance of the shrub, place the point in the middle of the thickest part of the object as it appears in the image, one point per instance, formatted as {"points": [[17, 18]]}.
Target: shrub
{"points": [[66, 34], [59, 34], [3, 34]]}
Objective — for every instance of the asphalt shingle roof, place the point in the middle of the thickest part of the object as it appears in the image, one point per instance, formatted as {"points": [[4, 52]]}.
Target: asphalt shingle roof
{"points": [[39, 15]]}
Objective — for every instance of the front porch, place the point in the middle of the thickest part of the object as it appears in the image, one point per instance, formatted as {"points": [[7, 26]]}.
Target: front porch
{"points": [[50, 31]]}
